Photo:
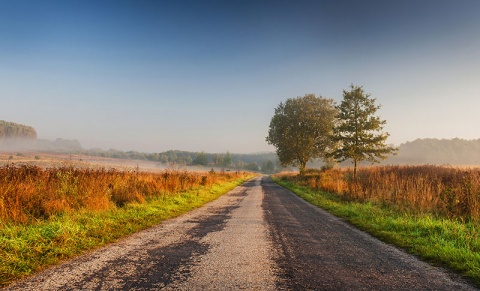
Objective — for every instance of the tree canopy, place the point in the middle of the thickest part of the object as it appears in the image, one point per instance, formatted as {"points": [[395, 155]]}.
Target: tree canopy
{"points": [[301, 129], [201, 159], [227, 160], [359, 131], [14, 130]]}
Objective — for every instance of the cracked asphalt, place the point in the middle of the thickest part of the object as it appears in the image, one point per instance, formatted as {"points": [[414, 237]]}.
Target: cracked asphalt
{"points": [[259, 236]]}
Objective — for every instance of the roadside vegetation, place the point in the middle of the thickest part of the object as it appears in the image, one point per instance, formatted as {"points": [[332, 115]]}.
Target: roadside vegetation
{"points": [[431, 211], [48, 215]]}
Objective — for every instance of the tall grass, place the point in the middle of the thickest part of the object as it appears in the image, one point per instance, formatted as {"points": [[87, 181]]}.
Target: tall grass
{"points": [[440, 190], [29, 193], [49, 215]]}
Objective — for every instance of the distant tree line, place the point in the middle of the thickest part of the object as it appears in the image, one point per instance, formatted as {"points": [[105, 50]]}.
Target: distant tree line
{"points": [[421, 151], [11, 130], [18, 137], [259, 162], [438, 152]]}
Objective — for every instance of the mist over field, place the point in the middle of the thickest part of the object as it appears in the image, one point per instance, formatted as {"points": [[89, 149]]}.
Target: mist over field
{"points": [[22, 144]]}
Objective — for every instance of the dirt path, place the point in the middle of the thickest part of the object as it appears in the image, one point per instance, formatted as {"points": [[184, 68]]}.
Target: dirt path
{"points": [[258, 237], [239, 255]]}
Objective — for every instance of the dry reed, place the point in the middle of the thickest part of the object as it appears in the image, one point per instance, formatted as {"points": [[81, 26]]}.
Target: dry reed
{"points": [[442, 190], [29, 193]]}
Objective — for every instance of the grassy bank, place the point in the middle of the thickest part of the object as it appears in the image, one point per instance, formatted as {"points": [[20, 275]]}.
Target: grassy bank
{"points": [[34, 243], [447, 242]]}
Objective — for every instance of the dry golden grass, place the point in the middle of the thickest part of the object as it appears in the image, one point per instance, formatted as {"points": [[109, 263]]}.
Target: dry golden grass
{"points": [[447, 191], [30, 193]]}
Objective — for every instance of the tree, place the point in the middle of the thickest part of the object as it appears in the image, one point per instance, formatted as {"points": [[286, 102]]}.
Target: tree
{"points": [[240, 164], [16, 131], [301, 129], [163, 158], [253, 166], [359, 131], [201, 159], [268, 167], [227, 160], [184, 159], [218, 160]]}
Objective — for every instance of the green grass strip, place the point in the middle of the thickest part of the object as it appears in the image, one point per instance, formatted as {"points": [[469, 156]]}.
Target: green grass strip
{"points": [[443, 242], [25, 249]]}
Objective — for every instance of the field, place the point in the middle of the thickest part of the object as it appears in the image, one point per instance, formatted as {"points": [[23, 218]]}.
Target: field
{"points": [[52, 210], [430, 211], [49, 160]]}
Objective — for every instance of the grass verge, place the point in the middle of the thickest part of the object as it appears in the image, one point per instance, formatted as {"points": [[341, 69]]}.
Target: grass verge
{"points": [[25, 249], [443, 242]]}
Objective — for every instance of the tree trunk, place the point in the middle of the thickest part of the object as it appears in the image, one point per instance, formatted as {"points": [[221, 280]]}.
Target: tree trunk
{"points": [[303, 166], [355, 169]]}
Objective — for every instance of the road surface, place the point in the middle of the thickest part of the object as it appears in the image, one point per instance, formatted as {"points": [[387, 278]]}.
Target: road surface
{"points": [[259, 236]]}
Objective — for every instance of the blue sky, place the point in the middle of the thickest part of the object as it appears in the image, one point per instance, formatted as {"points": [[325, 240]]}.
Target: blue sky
{"points": [[206, 75]]}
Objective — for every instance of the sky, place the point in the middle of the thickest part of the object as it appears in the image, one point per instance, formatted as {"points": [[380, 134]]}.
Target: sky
{"points": [[207, 75]]}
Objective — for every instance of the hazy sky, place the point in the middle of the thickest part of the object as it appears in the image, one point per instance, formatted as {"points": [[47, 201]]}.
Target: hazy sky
{"points": [[206, 75]]}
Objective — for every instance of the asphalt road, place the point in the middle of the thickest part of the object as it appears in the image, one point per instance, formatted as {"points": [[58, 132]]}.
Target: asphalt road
{"points": [[258, 237]]}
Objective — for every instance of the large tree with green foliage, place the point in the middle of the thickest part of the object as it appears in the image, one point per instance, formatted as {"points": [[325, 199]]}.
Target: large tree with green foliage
{"points": [[301, 129], [359, 131]]}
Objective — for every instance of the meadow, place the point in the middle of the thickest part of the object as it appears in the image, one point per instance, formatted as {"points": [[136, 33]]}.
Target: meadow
{"points": [[51, 214], [430, 211]]}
